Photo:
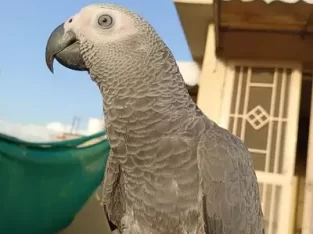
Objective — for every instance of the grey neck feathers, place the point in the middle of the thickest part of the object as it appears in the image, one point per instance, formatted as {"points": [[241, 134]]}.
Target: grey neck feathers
{"points": [[143, 92]]}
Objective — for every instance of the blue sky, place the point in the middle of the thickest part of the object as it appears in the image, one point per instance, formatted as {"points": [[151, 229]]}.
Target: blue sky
{"points": [[29, 93]]}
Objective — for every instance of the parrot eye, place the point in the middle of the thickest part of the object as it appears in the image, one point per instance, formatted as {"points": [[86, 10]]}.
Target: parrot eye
{"points": [[105, 21]]}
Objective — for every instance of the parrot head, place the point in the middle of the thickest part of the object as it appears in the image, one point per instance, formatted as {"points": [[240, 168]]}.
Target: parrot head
{"points": [[102, 36], [121, 51]]}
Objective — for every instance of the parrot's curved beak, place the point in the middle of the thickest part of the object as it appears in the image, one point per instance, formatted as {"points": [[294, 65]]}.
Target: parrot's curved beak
{"points": [[64, 47]]}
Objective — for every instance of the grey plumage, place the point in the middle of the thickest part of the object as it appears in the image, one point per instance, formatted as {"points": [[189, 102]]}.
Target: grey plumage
{"points": [[171, 170]]}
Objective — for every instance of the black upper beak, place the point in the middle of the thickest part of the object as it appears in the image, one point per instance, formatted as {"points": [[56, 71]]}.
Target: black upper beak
{"points": [[64, 47]]}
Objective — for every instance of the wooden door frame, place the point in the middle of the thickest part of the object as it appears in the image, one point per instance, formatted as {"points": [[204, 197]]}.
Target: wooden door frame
{"points": [[307, 222], [285, 179]]}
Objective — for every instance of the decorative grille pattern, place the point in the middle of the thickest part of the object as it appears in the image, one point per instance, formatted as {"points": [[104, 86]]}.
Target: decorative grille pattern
{"points": [[258, 116]]}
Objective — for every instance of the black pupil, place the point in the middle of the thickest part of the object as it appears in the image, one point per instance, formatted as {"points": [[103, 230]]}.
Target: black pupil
{"points": [[105, 20]]}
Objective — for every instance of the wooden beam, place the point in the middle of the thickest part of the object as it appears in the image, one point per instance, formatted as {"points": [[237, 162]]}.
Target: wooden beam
{"points": [[267, 46], [260, 15], [277, 26], [216, 17]]}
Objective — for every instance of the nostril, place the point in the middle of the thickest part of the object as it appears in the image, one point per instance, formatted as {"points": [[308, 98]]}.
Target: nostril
{"points": [[70, 21]]}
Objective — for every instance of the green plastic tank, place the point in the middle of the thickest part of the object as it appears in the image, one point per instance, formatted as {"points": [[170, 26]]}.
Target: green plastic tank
{"points": [[43, 185]]}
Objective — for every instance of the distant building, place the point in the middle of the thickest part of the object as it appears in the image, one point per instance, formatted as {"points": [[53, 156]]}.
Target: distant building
{"points": [[67, 136], [94, 126]]}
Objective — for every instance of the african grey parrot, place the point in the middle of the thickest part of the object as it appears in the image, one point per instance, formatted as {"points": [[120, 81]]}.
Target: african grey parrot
{"points": [[171, 170]]}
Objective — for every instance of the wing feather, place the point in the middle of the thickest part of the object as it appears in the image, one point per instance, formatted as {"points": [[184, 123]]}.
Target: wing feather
{"points": [[230, 189]]}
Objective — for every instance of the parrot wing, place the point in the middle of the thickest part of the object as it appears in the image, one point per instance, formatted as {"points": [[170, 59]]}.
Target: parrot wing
{"points": [[111, 194], [230, 191]]}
